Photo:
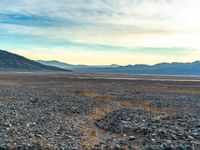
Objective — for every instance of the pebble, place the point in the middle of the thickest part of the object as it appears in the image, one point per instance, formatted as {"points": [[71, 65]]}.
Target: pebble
{"points": [[131, 138]]}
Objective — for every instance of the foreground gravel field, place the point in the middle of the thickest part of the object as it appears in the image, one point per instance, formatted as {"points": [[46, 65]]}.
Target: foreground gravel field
{"points": [[61, 111]]}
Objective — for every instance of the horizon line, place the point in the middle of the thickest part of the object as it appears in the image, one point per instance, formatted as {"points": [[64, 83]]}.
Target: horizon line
{"points": [[162, 62]]}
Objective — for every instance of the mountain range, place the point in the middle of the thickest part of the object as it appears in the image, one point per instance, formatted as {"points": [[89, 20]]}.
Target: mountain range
{"points": [[74, 67], [14, 62], [162, 68]]}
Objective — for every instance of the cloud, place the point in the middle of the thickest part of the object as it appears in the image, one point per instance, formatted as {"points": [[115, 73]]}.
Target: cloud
{"points": [[103, 25], [128, 12], [28, 20]]}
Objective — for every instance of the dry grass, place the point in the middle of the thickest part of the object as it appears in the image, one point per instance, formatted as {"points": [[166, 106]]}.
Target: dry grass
{"points": [[143, 104], [92, 134], [10, 84], [172, 89], [100, 112], [183, 91], [89, 93], [148, 106], [100, 96]]}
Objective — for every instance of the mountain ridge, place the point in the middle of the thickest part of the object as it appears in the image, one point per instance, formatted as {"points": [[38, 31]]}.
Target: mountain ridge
{"points": [[14, 62], [65, 65], [174, 68]]}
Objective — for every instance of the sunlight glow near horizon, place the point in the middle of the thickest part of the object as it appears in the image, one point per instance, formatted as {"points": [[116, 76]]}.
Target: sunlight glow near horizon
{"points": [[102, 31]]}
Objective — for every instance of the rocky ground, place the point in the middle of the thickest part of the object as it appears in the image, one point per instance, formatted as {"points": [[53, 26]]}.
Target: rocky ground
{"points": [[137, 129], [60, 111]]}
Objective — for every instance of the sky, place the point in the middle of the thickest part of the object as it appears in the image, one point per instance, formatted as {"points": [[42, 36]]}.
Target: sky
{"points": [[99, 32]]}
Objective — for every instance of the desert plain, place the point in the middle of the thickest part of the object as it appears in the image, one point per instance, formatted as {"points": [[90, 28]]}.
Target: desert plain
{"points": [[104, 111]]}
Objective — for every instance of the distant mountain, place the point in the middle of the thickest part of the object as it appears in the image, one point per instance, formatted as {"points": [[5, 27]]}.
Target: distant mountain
{"points": [[162, 68], [74, 67], [13, 62]]}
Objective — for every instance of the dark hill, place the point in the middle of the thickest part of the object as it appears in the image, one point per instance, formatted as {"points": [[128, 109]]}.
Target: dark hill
{"points": [[13, 62]]}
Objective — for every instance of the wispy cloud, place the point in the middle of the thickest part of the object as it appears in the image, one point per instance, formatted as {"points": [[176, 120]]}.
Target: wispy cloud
{"points": [[28, 20], [103, 25]]}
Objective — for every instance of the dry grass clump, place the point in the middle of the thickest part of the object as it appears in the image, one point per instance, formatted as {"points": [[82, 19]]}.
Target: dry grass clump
{"points": [[142, 103], [170, 89], [89, 93], [10, 84], [92, 134], [100, 96], [100, 112], [148, 106]]}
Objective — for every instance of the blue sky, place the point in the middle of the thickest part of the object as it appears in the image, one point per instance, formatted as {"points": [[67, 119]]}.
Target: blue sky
{"points": [[102, 31]]}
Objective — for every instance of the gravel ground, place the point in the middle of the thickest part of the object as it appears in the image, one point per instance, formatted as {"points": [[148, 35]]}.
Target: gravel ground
{"points": [[60, 111], [167, 132]]}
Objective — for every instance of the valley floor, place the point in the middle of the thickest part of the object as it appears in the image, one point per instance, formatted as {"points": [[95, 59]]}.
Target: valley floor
{"points": [[84, 111]]}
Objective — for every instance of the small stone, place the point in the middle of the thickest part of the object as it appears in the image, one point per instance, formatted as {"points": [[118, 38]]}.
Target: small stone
{"points": [[118, 146], [153, 140], [169, 141], [102, 142], [174, 137], [165, 147], [38, 135], [154, 134], [131, 138], [190, 138]]}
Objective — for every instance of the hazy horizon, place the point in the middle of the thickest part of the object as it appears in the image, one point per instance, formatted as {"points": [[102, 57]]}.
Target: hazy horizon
{"points": [[119, 64], [102, 32], [46, 60]]}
